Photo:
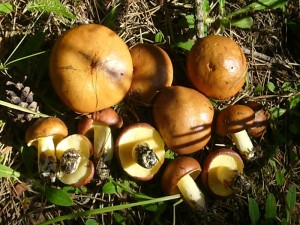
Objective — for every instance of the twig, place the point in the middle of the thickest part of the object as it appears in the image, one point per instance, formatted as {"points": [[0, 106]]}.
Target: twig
{"points": [[199, 20]]}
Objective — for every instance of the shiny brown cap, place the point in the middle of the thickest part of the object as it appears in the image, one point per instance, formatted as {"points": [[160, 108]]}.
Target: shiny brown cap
{"points": [[44, 127], [233, 119]]}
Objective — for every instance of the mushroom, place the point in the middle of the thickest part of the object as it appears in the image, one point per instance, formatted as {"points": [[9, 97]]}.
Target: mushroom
{"points": [[140, 150], [222, 173], [44, 134], [152, 71], [260, 119], [90, 68], [179, 177], [99, 122], [73, 153], [217, 67], [183, 117], [234, 121]]}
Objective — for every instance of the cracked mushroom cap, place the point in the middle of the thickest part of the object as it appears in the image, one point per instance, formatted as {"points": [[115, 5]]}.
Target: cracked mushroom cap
{"points": [[90, 68], [233, 119], [175, 170], [44, 127], [217, 66]]}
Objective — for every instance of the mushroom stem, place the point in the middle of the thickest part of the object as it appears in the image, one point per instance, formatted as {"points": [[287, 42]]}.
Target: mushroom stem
{"points": [[191, 192], [46, 150], [103, 143], [243, 144]]}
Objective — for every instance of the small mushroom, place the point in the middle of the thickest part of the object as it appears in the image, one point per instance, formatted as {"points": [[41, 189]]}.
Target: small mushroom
{"points": [[73, 153], [260, 120], [179, 177], [217, 66], [183, 117], [140, 151], [90, 68], [222, 173], [98, 125], [234, 121], [152, 71], [44, 134]]}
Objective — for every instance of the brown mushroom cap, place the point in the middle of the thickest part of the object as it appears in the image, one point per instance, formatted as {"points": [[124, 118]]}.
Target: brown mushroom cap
{"points": [[260, 120], [90, 68], [129, 137], [219, 166], [175, 170], [152, 71], [183, 117], [44, 127], [217, 66], [233, 119]]}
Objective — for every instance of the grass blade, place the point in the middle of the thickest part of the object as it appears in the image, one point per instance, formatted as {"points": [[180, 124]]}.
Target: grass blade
{"points": [[109, 209]]}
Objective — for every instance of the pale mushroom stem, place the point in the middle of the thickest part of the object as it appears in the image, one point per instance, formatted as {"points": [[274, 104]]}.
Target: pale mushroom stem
{"points": [[191, 193], [46, 147], [243, 144], [103, 143]]}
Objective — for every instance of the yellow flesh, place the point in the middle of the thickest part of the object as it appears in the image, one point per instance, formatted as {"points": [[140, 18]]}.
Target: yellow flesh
{"points": [[126, 144], [74, 141], [223, 169], [46, 147]]}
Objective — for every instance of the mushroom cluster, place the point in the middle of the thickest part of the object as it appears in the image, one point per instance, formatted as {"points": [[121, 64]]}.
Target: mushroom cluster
{"points": [[92, 70]]}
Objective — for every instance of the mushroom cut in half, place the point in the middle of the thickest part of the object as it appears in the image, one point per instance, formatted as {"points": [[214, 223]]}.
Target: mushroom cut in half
{"points": [[90, 68], [183, 117], [75, 167], [140, 151], [152, 71], [179, 177], [223, 174], [44, 134], [234, 121], [217, 66]]}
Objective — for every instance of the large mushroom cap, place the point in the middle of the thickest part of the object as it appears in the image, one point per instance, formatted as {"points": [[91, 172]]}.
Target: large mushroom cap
{"points": [[90, 68], [152, 71], [183, 117], [233, 119], [44, 127], [217, 66], [175, 170]]}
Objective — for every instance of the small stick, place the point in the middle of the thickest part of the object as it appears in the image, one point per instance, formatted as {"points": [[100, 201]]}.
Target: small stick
{"points": [[199, 20]]}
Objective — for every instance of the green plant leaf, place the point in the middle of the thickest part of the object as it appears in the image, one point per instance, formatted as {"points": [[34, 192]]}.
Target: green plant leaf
{"points": [[291, 197], [91, 222], [187, 45], [277, 112], [110, 188], [119, 218], [244, 23], [294, 101], [253, 211], [279, 178], [159, 37], [271, 207], [50, 6], [58, 196], [6, 171], [271, 86], [6, 8], [259, 88]]}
